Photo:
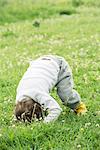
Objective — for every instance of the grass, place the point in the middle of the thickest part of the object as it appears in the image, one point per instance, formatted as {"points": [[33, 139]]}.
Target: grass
{"points": [[67, 28]]}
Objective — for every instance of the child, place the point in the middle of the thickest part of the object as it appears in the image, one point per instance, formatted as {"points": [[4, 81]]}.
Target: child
{"points": [[35, 86]]}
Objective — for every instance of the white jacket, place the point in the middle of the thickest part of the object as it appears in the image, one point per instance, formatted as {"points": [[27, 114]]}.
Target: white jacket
{"points": [[37, 82]]}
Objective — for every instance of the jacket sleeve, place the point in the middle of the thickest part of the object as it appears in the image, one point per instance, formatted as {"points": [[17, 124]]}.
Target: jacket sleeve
{"points": [[52, 116], [52, 106]]}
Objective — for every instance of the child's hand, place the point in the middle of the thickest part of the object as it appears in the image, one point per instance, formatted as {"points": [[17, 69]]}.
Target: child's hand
{"points": [[80, 109]]}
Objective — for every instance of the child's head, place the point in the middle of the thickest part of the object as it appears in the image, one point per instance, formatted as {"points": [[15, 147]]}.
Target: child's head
{"points": [[28, 109]]}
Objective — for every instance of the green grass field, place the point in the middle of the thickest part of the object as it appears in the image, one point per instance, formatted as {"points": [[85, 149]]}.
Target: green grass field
{"points": [[69, 28]]}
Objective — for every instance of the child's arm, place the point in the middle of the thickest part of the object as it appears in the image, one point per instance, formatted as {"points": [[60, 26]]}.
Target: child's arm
{"points": [[52, 116], [52, 107]]}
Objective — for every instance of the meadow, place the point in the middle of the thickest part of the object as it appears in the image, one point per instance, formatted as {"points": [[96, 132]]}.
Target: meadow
{"points": [[68, 28]]}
